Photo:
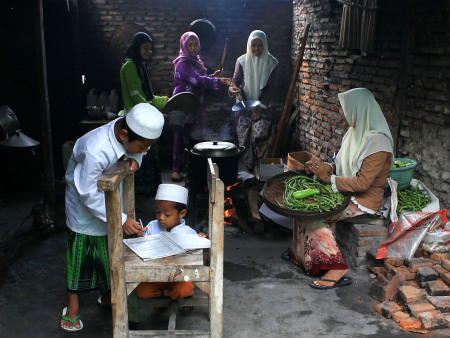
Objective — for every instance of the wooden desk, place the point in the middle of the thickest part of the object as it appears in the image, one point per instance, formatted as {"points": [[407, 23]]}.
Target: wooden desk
{"points": [[88, 124]]}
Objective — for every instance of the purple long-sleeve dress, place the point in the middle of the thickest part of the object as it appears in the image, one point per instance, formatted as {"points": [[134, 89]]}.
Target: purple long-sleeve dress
{"points": [[190, 77]]}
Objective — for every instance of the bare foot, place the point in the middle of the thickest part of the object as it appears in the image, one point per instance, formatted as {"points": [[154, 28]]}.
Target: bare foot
{"points": [[331, 275]]}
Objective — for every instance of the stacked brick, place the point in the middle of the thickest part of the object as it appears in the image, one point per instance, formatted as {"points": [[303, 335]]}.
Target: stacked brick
{"points": [[408, 72], [416, 293], [166, 21]]}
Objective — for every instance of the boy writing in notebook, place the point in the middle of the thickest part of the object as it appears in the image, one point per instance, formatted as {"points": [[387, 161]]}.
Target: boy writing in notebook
{"points": [[87, 254], [171, 201]]}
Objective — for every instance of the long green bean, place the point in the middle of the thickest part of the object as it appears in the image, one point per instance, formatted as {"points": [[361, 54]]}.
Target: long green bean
{"points": [[325, 201], [412, 199]]}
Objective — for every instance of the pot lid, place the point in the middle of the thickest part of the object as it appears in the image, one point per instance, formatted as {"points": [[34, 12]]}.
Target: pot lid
{"points": [[215, 149]]}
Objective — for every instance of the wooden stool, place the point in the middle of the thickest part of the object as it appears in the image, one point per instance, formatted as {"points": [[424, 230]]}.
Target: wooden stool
{"points": [[204, 268]]}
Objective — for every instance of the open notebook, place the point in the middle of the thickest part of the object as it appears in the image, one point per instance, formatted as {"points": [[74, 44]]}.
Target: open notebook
{"points": [[165, 244]]}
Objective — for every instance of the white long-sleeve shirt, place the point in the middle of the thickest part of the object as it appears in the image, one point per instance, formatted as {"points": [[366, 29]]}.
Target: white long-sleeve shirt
{"points": [[93, 153], [154, 228]]}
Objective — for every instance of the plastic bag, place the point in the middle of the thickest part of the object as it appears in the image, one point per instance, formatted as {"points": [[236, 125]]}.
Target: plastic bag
{"points": [[437, 240], [406, 235]]}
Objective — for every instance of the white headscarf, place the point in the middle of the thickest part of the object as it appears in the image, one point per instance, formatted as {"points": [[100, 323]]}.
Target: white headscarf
{"points": [[256, 69], [368, 133]]}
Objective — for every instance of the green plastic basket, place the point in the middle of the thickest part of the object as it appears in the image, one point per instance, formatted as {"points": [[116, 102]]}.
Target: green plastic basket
{"points": [[404, 175]]}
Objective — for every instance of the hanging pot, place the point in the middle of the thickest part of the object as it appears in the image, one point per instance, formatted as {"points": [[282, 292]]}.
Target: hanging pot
{"points": [[224, 154]]}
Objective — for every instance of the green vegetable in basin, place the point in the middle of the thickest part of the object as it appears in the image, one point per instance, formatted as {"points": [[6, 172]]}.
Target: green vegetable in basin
{"points": [[305, 193]]}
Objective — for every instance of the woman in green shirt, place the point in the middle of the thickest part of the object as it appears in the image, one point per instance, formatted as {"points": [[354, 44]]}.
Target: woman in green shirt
{"points": [[136, 88]]}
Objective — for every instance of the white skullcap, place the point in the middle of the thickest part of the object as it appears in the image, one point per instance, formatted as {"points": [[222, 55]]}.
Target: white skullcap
{"points": [[146, 121], [173, 193]]}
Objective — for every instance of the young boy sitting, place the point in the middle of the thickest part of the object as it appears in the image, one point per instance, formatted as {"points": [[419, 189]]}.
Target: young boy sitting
{"points": [[93, 153], [171, 201]]}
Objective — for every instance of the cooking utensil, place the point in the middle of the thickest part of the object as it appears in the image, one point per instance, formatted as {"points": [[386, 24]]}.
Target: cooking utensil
{"points": [[224, 54], [241, 105], [185, 102], [273, 197], [225, 154]]}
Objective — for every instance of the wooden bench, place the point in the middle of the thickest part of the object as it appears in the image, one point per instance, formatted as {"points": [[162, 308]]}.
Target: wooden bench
{"points": [[205, 269]]}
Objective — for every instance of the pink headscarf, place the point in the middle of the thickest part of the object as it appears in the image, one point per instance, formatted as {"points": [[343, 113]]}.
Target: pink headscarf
{"points": [[184, 53]]}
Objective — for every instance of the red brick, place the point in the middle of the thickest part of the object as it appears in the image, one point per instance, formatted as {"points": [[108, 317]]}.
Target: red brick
{"points": [[441, 303], [383, 289], [394, 261], [440, 270], [439, 256], [366, 230], [410, 323], [397, 316], [386, 309], [438, 288], [376, 269], [446, 277], [410, 282], [418, 307], [426, 274], [432, 320], [404, 274], [411, 294], [418, 263], [446, 264]]}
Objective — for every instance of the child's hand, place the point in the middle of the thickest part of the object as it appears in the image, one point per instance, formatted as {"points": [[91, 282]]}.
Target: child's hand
{"points": [[134, 165], [201, 234], [131, 227]]}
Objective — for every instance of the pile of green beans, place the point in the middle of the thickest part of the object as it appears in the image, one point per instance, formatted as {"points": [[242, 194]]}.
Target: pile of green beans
{"points": [[412, 199], [323, 202]]}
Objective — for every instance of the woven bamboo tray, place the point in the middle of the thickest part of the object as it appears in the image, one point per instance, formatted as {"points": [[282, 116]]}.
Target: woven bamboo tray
{"points": [[273, 192]]}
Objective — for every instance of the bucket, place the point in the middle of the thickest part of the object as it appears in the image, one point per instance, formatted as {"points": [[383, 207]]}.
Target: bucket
{"points": [[297, 160], [177, 119]]}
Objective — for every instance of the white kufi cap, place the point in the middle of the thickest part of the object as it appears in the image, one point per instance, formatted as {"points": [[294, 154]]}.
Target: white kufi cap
{"points": [[172, 192], [146, 121]]}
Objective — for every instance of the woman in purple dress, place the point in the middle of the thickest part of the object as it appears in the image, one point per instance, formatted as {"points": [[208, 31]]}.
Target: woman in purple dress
{"points": [[191, 76]]}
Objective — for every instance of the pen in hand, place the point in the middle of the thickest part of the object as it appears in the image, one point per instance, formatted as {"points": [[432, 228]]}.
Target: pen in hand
{"points": [[140, 221]]}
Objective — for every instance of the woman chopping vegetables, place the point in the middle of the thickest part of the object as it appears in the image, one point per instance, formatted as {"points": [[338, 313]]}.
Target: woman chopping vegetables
{"points": [[361, 168]]}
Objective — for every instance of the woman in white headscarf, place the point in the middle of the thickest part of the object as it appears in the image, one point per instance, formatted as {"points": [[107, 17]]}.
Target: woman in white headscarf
{"points": [[361, 168], [254, 79]]}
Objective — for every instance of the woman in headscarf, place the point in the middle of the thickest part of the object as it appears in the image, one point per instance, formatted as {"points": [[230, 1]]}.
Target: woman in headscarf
{"points": [[136, 88], [254, 79], [361, 168], [191, 76]]}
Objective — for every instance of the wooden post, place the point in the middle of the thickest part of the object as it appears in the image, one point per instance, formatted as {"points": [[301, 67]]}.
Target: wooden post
{"points": [[116, 265], [217, 237]]}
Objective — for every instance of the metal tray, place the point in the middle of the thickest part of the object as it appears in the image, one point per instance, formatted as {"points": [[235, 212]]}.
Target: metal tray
{"points": [[274, 187]]}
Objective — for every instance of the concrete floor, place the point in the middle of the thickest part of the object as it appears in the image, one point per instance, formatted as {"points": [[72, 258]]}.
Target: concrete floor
{"points": [[264, 296]]}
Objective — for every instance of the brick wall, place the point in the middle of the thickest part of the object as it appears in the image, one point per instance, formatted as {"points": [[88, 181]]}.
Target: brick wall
{"points": [[408, 71], [166, 21]]}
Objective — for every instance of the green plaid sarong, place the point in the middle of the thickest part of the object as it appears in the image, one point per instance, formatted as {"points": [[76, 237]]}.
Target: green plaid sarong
{"points": [[87, 264]]}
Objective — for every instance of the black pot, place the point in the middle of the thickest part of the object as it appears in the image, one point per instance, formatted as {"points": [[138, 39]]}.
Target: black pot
{"points": [[224, 154]]}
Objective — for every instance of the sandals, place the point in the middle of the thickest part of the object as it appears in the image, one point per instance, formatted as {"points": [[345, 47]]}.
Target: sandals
{"points": [[72, 329], [337, 283], [287, 255]]}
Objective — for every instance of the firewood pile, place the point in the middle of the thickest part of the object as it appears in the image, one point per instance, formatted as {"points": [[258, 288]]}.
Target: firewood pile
{"points": [[416, 293]]}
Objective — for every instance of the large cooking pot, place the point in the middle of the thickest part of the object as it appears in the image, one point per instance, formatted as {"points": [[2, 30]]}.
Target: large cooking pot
{"points": [[225, 154]]}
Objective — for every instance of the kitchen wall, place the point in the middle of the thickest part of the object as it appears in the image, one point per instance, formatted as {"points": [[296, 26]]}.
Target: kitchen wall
{"points": [[408, 71], [101, 21]]}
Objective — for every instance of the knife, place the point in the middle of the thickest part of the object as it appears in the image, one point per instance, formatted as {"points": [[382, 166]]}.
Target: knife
{"points": [[224, 54]]}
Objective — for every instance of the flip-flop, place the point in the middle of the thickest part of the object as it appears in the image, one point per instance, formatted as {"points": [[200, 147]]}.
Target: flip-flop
{"points": [[101, 304], [286, 255], [342, 282], [73, 329]]}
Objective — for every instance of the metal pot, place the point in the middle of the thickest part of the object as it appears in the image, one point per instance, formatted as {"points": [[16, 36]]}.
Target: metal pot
{"points": [[225, 154]]}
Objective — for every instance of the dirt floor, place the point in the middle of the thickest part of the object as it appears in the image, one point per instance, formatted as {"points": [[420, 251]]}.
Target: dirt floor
{"points": [[264, 296]]}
